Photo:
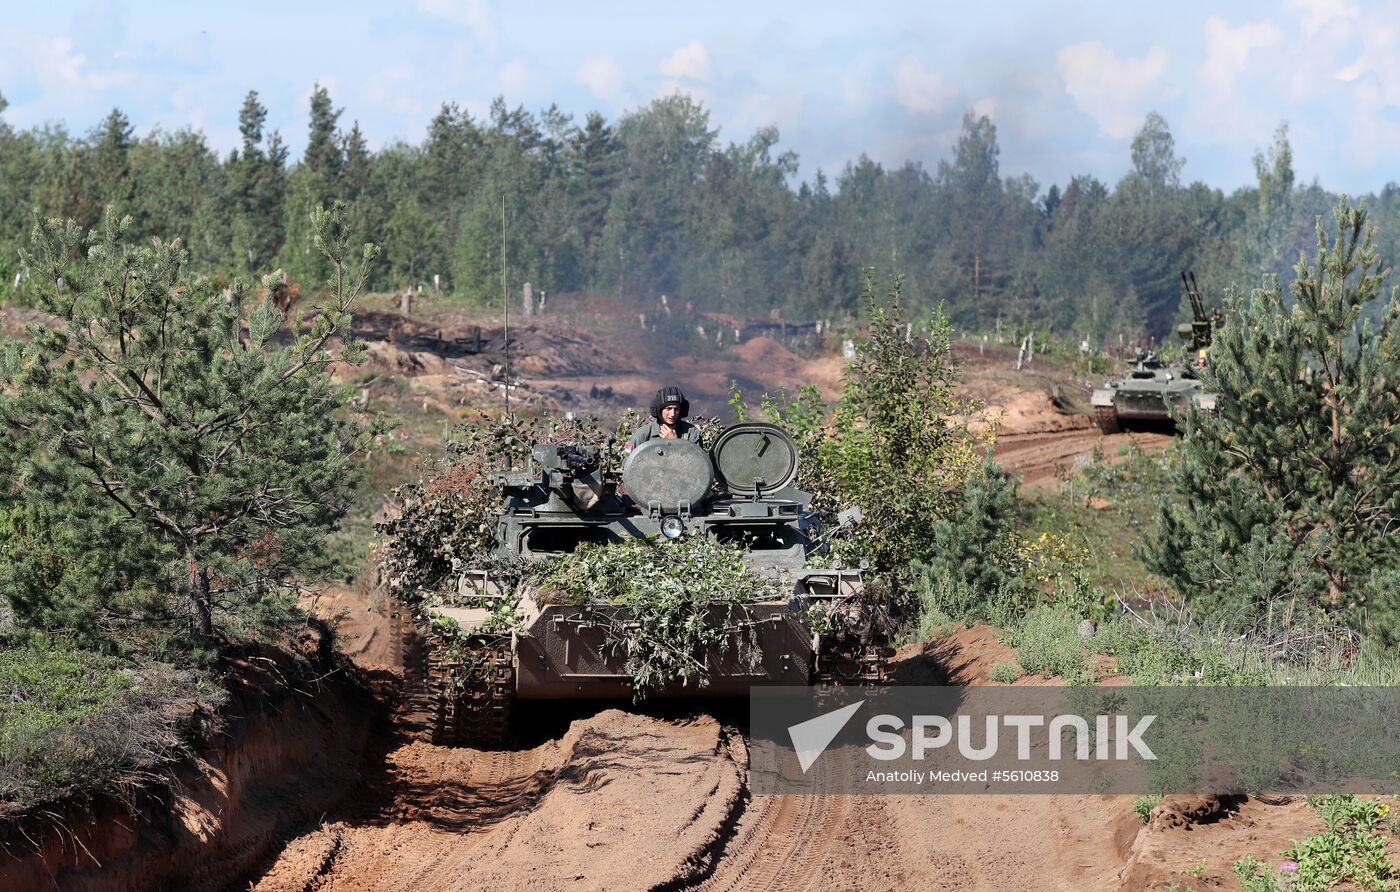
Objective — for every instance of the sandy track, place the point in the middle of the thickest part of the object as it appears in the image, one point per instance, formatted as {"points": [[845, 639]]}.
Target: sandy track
{"points": [[1036, 455], [777, 842], [620, 801]]}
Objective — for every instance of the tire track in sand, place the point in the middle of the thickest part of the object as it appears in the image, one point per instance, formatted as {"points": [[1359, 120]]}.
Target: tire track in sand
{"points": [[781, 842]]}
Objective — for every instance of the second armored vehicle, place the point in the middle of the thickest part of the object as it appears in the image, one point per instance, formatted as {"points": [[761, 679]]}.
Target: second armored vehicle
{"points": [[1154, 391], [812, 627]]}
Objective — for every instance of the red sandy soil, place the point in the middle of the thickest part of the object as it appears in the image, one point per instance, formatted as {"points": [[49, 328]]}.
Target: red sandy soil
{"points": [[617, 800], [627, 801]]}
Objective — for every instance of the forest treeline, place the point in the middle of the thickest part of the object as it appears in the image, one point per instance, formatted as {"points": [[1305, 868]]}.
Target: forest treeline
{"points": [[654, 203]]}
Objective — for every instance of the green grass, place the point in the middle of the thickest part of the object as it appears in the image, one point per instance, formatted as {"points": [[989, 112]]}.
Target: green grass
{"points": [[77, 723], [1047, 643], [1006, 672], [1133, 489], [1171, 646]]}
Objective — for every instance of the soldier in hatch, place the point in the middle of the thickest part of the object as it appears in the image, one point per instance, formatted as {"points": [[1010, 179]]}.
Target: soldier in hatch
{"points": [[669, 407]]}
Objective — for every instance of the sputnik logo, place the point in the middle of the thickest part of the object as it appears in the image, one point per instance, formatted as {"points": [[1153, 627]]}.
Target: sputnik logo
{"points": [[811, 738]]}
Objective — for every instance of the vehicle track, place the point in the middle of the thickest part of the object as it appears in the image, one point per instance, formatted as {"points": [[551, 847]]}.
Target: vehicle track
{"points": [[1036, 455], [782, 841]]}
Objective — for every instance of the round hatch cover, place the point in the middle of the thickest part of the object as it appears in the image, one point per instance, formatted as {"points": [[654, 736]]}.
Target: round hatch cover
{"points": [[754, 456], [674, 473]]}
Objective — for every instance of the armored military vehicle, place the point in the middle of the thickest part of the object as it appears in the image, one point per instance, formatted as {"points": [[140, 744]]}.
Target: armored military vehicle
{"points": [[1154, 390], [739, 490]]}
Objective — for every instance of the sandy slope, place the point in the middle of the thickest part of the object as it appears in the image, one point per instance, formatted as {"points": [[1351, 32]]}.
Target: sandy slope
{"points": [[620, 800]]}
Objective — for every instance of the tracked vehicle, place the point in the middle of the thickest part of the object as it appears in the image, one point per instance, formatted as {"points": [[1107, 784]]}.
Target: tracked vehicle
{"points": [[1154, 391], [739, 490]]}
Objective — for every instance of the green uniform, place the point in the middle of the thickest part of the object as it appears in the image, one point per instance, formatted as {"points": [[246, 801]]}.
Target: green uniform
{"points": [[652, 431]]}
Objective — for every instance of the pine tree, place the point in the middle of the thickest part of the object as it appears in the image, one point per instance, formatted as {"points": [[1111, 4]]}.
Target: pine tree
{"points": [[258, 186], [323, 151], [314, 182], [594, 176], [161, 420], [1292, 491]]}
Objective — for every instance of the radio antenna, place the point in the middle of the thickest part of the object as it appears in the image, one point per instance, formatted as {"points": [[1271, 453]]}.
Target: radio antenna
{"points": [[505, 305]]}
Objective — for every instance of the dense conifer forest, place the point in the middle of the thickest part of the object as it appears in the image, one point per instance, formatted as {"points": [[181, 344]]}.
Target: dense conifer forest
{"points": [[657, 203]]}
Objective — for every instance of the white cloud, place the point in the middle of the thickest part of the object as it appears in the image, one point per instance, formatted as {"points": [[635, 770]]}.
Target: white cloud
{"points": [[690, 62], [1316, 14], [474, 15], [392, 88], [919, 89], [1228, 49], [54, 63], [1116, 92], [1378, 64], [514, 77], [603, 75], [1373, 135]]}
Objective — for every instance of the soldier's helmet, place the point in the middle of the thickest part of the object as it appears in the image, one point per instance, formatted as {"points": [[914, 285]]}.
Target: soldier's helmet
{"points": [[667, 396]]}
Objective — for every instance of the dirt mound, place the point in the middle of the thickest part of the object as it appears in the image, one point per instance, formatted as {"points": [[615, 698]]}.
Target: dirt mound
{"points": [[541, 352], [409, 363], [1026, 411], [1193, 842], [769, 353], [620, 801], [1038, 457]]}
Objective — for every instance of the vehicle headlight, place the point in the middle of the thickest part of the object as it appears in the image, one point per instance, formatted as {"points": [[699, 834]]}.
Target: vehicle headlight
{"points": [[671, 527]]}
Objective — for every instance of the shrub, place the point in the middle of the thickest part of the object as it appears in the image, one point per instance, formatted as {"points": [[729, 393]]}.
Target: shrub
{"points": [[1047, 643], [77, 723], [1143, 806], [891, 445], [1006, 672], [1352, 851]]}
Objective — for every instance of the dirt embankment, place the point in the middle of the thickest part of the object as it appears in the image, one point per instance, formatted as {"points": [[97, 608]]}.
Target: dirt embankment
{"points": [[615, 799], [290, 751], [620, 800]]}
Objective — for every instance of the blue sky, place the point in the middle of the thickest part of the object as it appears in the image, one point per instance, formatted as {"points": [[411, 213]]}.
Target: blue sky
{"points": [[1066, 84]]}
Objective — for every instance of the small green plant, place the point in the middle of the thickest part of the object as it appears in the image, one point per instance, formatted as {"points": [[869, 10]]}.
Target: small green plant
{"points": [[1352, 852], [1047, 643], [1006, 672], [1143, 805], [1254, 875], [73, 722], [1344, 812]]}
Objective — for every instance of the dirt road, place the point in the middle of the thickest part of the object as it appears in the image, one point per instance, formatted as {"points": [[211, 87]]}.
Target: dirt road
{"points": [[615, 799], [629, 801]]}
